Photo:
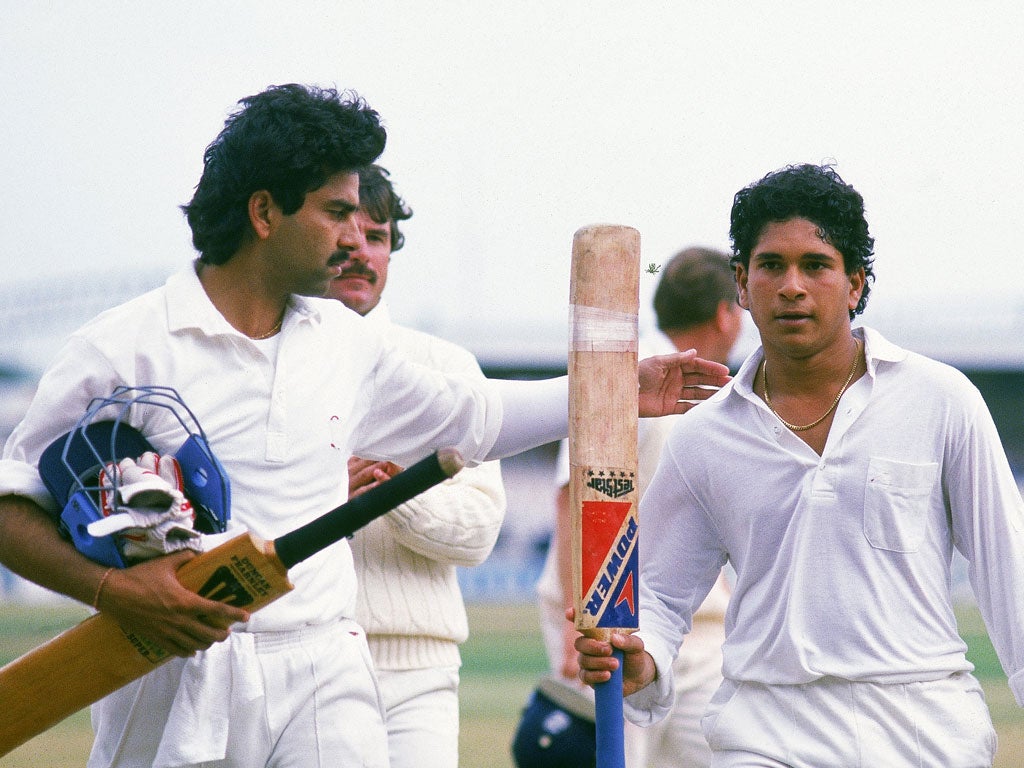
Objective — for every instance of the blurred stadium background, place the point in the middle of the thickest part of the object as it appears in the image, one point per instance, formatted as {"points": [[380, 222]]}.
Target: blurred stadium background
{"points": [[983, 336]]}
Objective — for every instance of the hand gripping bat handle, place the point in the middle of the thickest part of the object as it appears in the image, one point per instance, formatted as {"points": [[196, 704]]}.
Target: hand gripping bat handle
{"points": [[96, 657], [307, 540], [611, 747]]}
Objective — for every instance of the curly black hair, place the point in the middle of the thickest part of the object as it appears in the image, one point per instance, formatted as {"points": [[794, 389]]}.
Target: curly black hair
{"points": [[377, 196], [289, 140], [813, 192]]}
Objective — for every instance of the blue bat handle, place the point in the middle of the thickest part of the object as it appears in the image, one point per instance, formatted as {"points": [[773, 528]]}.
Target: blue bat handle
{"points": [[611, 751]]}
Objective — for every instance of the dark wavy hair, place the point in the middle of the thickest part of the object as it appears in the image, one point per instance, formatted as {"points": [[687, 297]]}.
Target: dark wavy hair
{"points": [[693, 283], [377, 196], [813, 192], [289, 140]]}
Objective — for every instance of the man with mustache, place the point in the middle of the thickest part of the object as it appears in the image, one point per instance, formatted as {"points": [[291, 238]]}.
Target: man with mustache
{"points": [[408, 597], [288, 386], [836, 473]]}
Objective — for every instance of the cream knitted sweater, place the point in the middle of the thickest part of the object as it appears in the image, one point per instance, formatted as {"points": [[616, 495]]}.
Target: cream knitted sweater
{"points": [[409, 600]]}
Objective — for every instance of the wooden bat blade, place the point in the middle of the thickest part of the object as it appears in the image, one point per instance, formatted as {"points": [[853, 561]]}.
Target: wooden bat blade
{"points": [[604, 301], [96, 657]]}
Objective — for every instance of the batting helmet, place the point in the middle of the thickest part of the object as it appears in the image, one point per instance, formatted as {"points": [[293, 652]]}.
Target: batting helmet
{"points": [[70, 467], [556, 729]]}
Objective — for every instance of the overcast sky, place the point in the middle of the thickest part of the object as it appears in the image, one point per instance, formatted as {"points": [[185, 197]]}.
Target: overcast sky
{"points": [[510, 129]]}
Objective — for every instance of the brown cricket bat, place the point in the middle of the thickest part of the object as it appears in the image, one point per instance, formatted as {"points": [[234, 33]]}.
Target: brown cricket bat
{"points": [[96, 657], [603, 383]]}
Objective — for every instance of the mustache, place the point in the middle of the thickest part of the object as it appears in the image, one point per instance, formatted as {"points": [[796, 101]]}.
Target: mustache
{"points": [[358, 269]]}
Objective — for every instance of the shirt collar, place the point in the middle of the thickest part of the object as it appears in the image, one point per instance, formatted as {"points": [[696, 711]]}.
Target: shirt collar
{"points": [[188, 306], [877, 349]]}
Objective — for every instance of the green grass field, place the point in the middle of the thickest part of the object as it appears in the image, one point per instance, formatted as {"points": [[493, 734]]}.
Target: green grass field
{"points": [[501, 662]]}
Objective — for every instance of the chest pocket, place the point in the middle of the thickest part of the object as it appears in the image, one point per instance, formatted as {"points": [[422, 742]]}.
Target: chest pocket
{"points": [[896, 503]]}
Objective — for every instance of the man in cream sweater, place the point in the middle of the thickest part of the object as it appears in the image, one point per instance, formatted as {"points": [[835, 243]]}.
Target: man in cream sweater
{"points": [[408, 596]]}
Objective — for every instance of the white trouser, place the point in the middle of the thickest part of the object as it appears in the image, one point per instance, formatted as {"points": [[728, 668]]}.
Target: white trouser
{"points": [[305, 698], [697, 672], [832, 723], [422, 708]]}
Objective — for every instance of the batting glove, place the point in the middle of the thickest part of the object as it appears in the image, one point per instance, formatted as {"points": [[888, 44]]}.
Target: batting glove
{"points": [[143, 505]]}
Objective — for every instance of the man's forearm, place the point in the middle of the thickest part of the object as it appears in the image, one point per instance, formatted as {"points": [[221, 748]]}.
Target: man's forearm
{"points": [[31, 546], [533, 413]]}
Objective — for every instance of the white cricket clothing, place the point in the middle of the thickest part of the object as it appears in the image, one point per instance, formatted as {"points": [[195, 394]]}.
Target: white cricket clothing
{"points": [[422, 708], [408, 597], [280, 699], [697, 674], [283, 429], [843, 559], [832, 723], [409, 601]]}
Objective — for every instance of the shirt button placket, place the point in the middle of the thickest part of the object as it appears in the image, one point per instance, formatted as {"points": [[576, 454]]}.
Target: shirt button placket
{"points": [[275, 449]]}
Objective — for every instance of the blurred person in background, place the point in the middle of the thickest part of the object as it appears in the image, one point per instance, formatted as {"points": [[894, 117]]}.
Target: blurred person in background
{"points": [[409, 601]]}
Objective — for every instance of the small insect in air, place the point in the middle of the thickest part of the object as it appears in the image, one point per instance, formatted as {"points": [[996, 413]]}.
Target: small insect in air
{"points": [[653, 268]]}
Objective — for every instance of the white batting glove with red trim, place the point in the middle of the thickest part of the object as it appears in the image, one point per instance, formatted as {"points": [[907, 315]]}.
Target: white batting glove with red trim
{"points": [[143, 505]]}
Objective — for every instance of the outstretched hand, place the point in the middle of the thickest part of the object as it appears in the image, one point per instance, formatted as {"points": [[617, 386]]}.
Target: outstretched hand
{"points": [[675, 383]]}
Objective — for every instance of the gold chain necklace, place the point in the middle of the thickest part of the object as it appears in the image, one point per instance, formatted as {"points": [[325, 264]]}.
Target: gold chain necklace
{"points": [[271, 332], [816, 422]]}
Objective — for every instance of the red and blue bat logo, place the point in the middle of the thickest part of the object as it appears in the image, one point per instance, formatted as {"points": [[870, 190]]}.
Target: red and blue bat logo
{"points": [[610, 563]]}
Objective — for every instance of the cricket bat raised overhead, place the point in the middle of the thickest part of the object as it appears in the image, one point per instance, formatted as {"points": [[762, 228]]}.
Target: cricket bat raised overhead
{"points": [[603, 381], [96, 657]]}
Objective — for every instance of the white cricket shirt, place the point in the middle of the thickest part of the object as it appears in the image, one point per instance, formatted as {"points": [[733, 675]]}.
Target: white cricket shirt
{"points": [[283, 429], [842, 560]]}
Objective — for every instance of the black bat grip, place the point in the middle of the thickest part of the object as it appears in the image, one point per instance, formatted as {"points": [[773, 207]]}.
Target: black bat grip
{"points": [[305, 541]]}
